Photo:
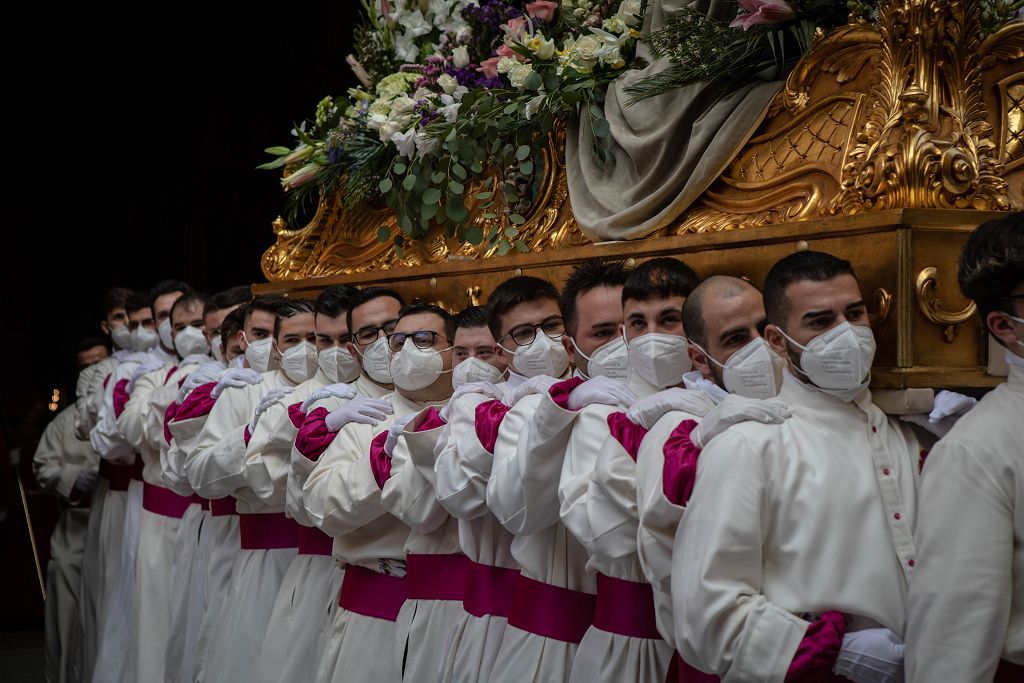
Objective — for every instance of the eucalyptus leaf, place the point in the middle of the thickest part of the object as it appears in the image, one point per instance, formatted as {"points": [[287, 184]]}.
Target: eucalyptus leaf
{"points": [[503, 247], [455, 187], [516, 219], [526, 168], [484, 195], [522, 152], [474, 235], [601, 128], [408, 183], [399, 168], [385, 185], [459, 171], [383, 233], [277, 151], [431, 196]]}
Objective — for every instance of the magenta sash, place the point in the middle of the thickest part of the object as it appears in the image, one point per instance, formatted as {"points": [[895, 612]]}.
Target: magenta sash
{"points": [[489, 590], [551, 611], [222, 507], [119, 476], [371, 594], [436, 577], [625, 608], [165, 502], [271, 531], [312, 541]]}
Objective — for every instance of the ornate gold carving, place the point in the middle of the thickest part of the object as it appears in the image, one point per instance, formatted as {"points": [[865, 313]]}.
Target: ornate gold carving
{"points": [[931, 306], [843, 54], [927, 140], [473, 294], [883, 303]]}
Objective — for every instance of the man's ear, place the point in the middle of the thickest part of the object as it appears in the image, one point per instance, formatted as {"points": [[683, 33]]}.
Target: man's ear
{"points": [[775, 340], [570, 349], [1001, 327], [700, 361], [105, 327], [241, 340]]}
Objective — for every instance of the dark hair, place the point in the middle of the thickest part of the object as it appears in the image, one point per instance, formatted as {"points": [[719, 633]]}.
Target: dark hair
{"points": [[267, 304], [510, 293], [365, 296], [233, 323], [816, 266], [188, 300], [992, 264], [334, 300], [91, 343], [166, 287], [693, 307], [583, 278], [289, 309], [136, 302], [446, 317], [115, 298], [659, 278], [236, 296], [471, 316]]}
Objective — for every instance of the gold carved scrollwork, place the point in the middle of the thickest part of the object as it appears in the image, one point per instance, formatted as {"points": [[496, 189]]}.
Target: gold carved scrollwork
{"points": [[931, 306], [927, 141], [883, 304]]}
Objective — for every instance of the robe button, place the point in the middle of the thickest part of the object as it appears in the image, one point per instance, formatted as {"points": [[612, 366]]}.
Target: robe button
{"points": [[874, 430], [910, 562], [898, 516], [885, 471]]}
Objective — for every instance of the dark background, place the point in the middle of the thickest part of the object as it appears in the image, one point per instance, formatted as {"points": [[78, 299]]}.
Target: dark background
{"points": [[131, 144]]}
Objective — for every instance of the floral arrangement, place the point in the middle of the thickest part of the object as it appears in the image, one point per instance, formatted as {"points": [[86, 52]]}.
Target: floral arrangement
{"points": [[459, 95]]}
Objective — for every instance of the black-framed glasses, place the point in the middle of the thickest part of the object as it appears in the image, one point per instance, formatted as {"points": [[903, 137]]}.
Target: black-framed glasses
{"points": [[370, 333], [523, 335], [421, 339]]}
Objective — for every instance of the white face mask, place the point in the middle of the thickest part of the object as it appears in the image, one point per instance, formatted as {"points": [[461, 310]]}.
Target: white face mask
{"points": [[122, 337], [475, 370], [218, 350], [191, 341], [257, 353], [338, 365], [659, 358], [143, 339], [838, 361], [299, 362], [545, 356], [413, 368], [610, 360], [377, 361], [164, 330], [755, 371], [1020, 342]]}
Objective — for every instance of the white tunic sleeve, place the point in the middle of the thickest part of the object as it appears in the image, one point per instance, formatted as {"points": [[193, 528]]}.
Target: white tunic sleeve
{"points": [[131, 421], [723, 622], [463, 466], [105, 437], [523, 489], [268, 455], [54, 472], [407, 494], [214, 467], [589, 432]]}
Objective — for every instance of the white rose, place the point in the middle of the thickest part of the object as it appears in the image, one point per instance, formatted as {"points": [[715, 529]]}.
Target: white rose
{"points": [[586, 48], [447, 83], [405, 142], [387, 129], [425, 144], [460, 57], [534, 105], [506, 64], [402, 106], [519, 74]]}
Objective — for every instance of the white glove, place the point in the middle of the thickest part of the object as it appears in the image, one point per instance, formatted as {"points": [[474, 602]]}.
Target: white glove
{"points": [[143, 369], [604, 390], [948, 407], [237, 377], [86, 479], [486, 388], [646, 411], [535, 385], [395, 431], [204, 374], [195, 359], [368, 411], [339, 390], [735, 409], [874, 655], [272, 397]]}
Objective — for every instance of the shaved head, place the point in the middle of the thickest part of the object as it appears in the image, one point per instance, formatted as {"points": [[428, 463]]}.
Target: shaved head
{"points": [[715, 289]]}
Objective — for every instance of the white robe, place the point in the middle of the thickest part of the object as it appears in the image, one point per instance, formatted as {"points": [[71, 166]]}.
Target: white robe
{"points": [[343, 499], [216, 468], [789, 520], [967, 592], [59, 458], [461, 473], [423, 626]]}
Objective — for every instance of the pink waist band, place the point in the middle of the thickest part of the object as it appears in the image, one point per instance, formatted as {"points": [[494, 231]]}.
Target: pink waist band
{"points": [[312, 541], [551, 611], [371, 594], [489, 590], [625, 608], [119, 476], [165, 502], [436, 577], [272, 531], [221, 507], [137, 468], [199, 500], [1008, 672]]}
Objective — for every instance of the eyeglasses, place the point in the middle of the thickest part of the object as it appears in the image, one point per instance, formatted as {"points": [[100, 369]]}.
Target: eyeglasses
{"points": [[423, 339], [523, 335], [370, 333]]}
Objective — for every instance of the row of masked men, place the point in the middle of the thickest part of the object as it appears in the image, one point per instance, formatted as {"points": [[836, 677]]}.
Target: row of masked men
{"points": [[638, 477]]}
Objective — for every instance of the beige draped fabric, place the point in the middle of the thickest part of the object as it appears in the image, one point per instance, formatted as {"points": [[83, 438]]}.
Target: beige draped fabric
{"points": [[667, 149]]}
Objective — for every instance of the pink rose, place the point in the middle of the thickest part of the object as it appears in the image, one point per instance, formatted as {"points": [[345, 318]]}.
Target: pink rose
{"points": [[515, 26], [762, 12], [505, 51], [489, 67], [542, 9]]}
